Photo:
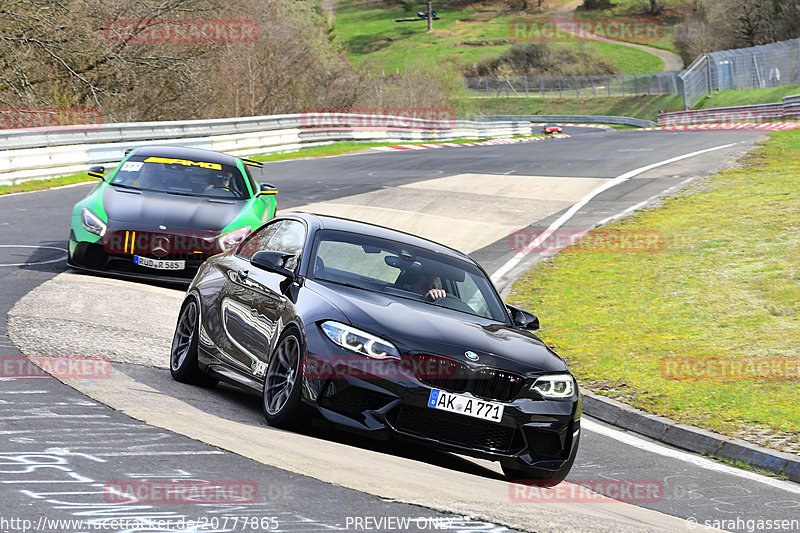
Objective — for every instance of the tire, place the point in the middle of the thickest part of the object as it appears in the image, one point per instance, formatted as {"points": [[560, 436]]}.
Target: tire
{"points": [[538, 476], [281, 399], [183, 354]]}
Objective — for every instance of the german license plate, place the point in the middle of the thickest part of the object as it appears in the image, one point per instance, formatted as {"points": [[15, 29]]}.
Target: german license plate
{"points": [[466, 405], [160, 264]]}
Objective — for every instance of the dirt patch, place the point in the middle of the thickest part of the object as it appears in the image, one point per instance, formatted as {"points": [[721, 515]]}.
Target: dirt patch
{"points": [[479, 44]]}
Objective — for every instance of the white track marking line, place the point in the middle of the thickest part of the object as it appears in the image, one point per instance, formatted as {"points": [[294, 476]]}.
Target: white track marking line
{"points": [[697, 460], [642, 204], [66, 253], [514, 261]]}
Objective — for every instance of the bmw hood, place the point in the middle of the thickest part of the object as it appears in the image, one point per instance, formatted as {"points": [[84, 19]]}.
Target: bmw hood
{"points": [[147, 209], [417, 327]]}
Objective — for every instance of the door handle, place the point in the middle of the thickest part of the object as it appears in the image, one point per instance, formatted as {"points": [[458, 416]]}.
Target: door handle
{"points": [[243, 274]]}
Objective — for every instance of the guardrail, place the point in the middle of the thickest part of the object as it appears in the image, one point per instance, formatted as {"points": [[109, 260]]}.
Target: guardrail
{"points": [[788, 109], [37, 153], [576, 119]]}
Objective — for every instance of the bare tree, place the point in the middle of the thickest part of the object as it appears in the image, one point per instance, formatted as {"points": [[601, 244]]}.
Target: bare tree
{"points": [[59, 53]]}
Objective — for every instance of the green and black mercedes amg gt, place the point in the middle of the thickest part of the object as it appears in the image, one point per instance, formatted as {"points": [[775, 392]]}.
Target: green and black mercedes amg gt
{"points": [[164, 210]]}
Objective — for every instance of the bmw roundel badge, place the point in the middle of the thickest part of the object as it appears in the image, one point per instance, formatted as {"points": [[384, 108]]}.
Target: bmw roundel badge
{"points": [[472, 356]]}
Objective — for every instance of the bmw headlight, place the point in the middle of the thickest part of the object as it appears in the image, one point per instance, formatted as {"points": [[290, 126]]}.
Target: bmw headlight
{"points": [[229, 241], [92, 223], [555, 386], [359, 341]]}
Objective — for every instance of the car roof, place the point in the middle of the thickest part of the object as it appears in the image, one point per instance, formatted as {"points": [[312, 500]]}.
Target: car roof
{"points": [[364, 228], [192, 154]]}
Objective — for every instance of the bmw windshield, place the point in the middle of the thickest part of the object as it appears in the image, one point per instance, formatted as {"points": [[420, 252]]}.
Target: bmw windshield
{"points": [[404, 271]]}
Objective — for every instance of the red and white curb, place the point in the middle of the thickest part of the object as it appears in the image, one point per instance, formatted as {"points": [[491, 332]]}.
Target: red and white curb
{"points": [[490, 142], [763, 126]]}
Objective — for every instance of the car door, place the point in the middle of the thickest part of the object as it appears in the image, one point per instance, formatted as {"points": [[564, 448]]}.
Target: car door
{"points": [[254, 299]]}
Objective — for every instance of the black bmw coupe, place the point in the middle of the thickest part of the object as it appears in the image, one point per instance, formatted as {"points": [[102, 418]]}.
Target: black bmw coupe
{"points": [[383, 332]]}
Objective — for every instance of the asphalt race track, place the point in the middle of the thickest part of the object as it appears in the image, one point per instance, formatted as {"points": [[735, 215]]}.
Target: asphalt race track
{"points": [[61, 445]]}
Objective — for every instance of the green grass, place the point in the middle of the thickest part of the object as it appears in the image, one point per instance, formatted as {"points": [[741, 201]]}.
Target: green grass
{"points": [[339, 148], [645, 107], [745, 466], [725, 285], [749, 97], [630, 60], [49, 183], [674, 13], [324, 150], [466, 36]]}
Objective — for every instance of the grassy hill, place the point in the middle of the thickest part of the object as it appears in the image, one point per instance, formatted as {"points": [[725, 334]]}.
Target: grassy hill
{"points": [[645, 107], [374, 41]]}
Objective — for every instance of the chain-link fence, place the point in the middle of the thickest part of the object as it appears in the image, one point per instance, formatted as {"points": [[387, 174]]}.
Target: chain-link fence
{"points": [[759, 67], [575, 86]]}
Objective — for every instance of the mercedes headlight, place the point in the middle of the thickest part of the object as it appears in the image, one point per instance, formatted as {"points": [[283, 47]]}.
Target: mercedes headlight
{"points": [[359, 341], [92, 223], [555, 387]]}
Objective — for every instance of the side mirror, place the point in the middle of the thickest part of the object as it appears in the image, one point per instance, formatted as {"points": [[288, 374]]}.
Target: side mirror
{"points": [[268, 188], [272, 262], [97, 171], [523, 319]]}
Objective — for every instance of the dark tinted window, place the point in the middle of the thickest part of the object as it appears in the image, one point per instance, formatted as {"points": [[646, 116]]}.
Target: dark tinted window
{"points": [[285, 236], [405, 271], [182, 176], [257, 241]]}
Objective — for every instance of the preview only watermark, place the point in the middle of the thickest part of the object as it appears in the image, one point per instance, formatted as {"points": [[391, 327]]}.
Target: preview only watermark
{"points": [[548, 29], [379, 117], [729, 369], [635, 491], [181, 31], [84, 368], [44, 117], [181, 491]]}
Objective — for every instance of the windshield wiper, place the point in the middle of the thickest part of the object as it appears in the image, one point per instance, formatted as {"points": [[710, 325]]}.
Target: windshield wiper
{"points": [[124, 186], [181, 193], [343, 283]]}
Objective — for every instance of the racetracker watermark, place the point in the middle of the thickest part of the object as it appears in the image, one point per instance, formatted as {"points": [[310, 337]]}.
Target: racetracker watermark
{"points": [[407, 368], [161, 244], [45, 117], [727, 369], [380, 117], [180, 491], [548, 30], [599, 241], [21, 367], [588, 491], [181, 31]]}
